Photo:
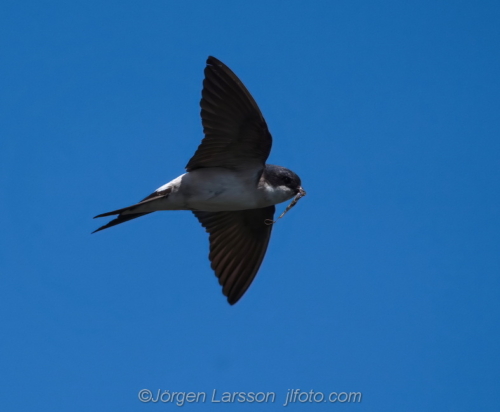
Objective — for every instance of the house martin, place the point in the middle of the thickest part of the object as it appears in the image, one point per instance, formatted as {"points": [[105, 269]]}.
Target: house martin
{"points": [[227, 184]]}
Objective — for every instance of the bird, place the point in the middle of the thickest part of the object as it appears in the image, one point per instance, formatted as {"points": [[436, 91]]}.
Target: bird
{"points": [[227, 185]]}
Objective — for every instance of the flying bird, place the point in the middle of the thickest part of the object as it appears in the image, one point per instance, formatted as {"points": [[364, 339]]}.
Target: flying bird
{"points": [[227, 185]]}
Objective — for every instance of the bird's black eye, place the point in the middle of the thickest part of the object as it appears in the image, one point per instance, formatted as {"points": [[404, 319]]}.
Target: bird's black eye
{"points": [[287, 180]]}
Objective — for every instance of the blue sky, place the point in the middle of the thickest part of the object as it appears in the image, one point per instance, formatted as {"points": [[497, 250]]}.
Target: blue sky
{"points": [[384, 280]]}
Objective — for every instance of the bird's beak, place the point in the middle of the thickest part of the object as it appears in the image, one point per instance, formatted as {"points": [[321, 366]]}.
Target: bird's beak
{"points": [[302, 192]]}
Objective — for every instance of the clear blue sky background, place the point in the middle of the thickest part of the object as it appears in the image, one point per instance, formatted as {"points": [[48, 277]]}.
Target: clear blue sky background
{"points": [[383, 280]]}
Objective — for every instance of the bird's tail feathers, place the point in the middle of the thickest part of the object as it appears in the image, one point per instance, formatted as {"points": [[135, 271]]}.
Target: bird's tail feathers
{"points": [[119, 219], [127, 214]]}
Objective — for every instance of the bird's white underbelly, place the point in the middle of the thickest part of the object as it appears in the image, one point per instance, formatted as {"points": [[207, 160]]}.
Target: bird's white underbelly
{"points": [[213, 190]]}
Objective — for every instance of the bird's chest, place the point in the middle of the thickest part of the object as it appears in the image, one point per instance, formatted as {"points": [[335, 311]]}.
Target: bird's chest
{"points": [[223, 192]]}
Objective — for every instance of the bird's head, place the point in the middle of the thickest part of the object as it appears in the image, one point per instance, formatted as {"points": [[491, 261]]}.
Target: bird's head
{"points": [[285, 183]]}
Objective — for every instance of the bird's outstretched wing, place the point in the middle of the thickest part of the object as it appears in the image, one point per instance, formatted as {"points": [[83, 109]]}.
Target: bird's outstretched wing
{"points": [[238, 243], [236, 134]]}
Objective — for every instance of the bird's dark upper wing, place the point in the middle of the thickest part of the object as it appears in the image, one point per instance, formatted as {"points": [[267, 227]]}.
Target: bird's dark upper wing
{"points": [[238, 243], [236, 134]]}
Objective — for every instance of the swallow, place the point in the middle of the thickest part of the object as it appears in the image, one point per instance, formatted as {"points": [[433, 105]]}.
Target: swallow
{"points": [[227, 185]]}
